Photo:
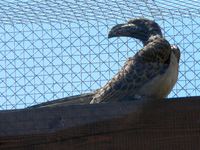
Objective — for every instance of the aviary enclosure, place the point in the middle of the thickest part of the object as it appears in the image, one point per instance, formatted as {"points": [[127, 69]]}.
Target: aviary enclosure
{"points": [[59, 48]]}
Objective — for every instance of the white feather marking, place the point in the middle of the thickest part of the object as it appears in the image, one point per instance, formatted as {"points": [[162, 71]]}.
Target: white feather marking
{"points": [[161, 85]]}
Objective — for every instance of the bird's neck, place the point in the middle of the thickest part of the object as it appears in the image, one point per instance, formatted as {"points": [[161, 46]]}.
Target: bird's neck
{"points": [[150, 39]]}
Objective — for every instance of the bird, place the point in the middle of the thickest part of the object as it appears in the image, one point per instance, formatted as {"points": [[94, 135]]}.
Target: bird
{"points": [[151, 73]]}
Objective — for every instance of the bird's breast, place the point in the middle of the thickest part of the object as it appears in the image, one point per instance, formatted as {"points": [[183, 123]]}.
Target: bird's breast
{"points": [[161, 85]]}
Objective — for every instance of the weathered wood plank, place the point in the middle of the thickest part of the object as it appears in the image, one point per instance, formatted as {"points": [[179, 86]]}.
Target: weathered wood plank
{"points": [[167, 124]]}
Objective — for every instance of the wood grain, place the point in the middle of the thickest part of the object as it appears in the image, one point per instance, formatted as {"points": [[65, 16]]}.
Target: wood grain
{"points": [[171, 124]]}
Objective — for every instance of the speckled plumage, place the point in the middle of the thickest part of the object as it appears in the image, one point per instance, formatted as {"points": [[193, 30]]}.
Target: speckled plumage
{"points": [[151, 72]]}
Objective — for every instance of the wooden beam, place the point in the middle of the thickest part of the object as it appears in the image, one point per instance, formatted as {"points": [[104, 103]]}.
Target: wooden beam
{"points": [[148, 124]]}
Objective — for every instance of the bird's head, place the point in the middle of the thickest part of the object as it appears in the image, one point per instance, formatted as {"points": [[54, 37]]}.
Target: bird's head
{"points": [[140, 28]]}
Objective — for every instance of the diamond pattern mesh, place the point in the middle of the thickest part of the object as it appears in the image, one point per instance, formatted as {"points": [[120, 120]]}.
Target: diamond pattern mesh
{"points": [[53, 49]]}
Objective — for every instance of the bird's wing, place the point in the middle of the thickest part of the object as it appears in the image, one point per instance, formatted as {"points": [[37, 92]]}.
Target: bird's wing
{"points": [[150, 61], [72, 100]]}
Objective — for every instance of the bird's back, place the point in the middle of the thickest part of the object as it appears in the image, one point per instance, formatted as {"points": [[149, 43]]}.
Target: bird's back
{"points": [[147, 64]]}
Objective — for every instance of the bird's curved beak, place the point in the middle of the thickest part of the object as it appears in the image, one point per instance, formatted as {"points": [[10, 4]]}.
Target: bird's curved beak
{"points": [[126, 30]]}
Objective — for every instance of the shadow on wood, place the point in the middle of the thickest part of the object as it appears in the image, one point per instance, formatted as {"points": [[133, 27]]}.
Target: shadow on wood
{"points": [[171, 124]]}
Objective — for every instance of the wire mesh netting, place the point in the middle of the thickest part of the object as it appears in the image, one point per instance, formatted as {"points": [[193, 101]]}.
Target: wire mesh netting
{"points": [[53, 49]]}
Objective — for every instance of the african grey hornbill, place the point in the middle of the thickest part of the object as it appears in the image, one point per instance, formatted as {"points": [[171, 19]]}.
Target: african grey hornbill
{"points": [[150, 73]]}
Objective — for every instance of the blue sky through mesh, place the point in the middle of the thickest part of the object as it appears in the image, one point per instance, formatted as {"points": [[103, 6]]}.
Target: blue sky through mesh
{"points": [[53, 49]]}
